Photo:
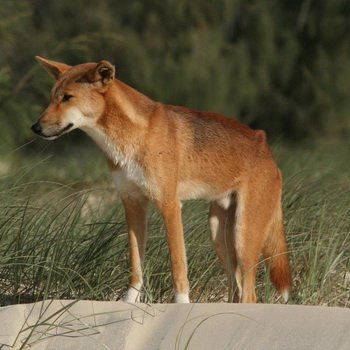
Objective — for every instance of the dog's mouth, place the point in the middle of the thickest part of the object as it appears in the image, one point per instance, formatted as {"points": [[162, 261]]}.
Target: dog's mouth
{"points": [[38, 130], [64, 130]]}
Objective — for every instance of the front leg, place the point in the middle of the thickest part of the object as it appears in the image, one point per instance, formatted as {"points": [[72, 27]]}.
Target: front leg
{"points": [[136, 217], [136, 208], [171, 212]]}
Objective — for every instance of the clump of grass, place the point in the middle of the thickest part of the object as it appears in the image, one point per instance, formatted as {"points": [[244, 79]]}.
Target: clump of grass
{"points": [[69, 240], [52, 246], [319, 241]]}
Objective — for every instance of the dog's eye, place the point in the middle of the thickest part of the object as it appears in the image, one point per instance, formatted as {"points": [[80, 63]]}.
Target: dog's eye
{"points": [[66, 98]]}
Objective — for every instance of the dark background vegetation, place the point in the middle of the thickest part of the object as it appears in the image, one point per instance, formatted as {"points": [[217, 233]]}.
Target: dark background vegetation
{"points": [[279, 65]]}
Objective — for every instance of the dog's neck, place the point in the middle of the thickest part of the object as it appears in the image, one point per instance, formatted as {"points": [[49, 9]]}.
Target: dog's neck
{"points": [[117, 153], [130, 103], [119, 131]]}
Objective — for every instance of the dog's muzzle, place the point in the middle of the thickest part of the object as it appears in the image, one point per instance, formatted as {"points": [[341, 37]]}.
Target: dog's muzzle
{"points": [[36, 127]]}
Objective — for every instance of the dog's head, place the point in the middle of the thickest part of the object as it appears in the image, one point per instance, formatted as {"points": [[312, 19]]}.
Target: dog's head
{"points": [[77, 98]]}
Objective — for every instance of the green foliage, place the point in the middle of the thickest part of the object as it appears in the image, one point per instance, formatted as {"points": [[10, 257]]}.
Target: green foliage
{"points": [[282, 66]]}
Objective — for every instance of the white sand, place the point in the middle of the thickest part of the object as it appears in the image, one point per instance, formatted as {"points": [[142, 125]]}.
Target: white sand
{"points": [[116, 325]]}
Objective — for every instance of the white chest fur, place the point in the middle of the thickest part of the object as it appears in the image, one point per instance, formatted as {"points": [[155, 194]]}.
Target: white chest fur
{"points": [[130, 170]]}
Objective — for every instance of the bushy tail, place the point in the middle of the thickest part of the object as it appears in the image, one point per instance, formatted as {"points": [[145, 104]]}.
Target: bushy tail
{"points": [[276, 257]]}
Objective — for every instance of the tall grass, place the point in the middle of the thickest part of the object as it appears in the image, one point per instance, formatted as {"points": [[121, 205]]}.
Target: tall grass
{"points": [[69, 240]]}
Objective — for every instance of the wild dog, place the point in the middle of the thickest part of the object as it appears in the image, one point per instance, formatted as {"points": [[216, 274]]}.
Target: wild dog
{"points": [[166, 154]]}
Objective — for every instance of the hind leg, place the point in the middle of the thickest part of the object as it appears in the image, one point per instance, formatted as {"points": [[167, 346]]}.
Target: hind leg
{"points": [[221, 223], [256, 206]]}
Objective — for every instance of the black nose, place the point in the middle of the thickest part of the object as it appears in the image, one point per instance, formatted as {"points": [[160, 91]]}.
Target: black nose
{"points": [[36, 127]]}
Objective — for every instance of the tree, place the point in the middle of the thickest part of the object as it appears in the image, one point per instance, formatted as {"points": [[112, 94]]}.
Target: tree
{"points": [[282, 66]]}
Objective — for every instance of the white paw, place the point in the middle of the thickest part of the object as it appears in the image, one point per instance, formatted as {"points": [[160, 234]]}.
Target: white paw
{"points": [[182, 298], [133, 294]]}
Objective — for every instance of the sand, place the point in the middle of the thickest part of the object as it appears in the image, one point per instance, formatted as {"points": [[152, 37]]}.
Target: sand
{"points": [[89, 325]]}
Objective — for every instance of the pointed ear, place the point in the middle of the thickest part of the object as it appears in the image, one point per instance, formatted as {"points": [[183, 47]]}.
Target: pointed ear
{"points": [[53, 68], [104, 72]]}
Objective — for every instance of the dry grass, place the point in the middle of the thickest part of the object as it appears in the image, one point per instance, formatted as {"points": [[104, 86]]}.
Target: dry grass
{"points": [[69, 241]]}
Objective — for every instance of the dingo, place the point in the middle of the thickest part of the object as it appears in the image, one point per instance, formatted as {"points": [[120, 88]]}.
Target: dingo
{"points": [[166, 154]]}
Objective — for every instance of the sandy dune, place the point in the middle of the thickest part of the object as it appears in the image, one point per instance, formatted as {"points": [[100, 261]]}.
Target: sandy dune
{"points": [[116, 325]]}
